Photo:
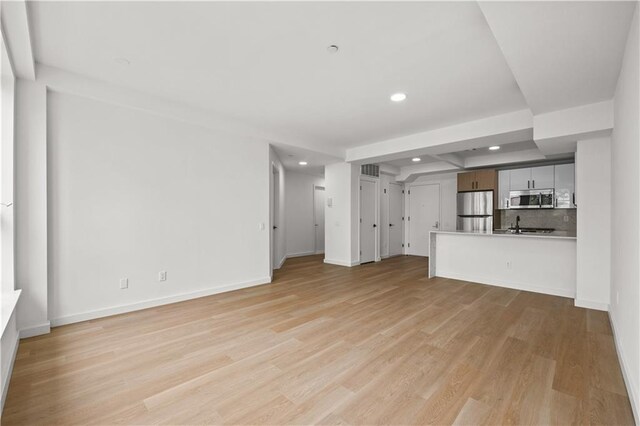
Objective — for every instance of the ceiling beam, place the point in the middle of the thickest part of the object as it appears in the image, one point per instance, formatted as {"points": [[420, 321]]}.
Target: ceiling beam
{"points": [[410, 173], [505, 128], [453, 159], [557, 132], [16, 34]]}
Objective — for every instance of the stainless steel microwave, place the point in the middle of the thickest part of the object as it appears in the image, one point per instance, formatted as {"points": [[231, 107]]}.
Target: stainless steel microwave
{"points": [[531, 199]]}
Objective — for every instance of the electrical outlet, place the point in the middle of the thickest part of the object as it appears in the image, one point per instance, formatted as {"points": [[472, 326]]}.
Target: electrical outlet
{"points": [[124, 283], [162, 276], [508, 264]]}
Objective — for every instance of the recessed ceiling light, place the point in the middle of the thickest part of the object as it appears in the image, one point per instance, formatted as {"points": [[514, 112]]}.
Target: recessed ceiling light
{"points": [[333, 48], [416, 159], [398, 97], [494, 148], [122, 61], [302, 163]]}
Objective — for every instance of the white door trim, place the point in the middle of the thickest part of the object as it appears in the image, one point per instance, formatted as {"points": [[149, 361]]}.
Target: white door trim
{"points": [[315, 187], [402, 236]]}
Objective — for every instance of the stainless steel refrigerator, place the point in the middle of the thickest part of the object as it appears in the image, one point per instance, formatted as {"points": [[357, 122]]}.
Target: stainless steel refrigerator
{"points": [[475, 211]]}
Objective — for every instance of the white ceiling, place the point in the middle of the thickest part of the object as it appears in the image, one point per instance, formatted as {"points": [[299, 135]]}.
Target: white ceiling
{"points": [[290, 157], [484, 150], [267, 63], [409, 162], [562, 53]]}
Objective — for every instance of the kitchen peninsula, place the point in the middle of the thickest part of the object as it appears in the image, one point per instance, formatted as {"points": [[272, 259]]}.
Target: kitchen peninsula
{"points": [[542, 263]]}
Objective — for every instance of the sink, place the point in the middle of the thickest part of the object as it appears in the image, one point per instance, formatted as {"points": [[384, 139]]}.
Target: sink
{"points": [[529, 231]]}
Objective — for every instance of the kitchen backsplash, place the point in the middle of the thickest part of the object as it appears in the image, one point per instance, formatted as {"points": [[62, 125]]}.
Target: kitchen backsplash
{"points": [[547, 218]]}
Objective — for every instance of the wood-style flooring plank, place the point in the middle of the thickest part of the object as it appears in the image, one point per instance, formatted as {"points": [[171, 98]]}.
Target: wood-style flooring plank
{"points": [[375, 344]]}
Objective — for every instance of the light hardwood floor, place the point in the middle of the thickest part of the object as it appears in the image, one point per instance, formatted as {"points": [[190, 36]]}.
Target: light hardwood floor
{"points": [[376, 344]]}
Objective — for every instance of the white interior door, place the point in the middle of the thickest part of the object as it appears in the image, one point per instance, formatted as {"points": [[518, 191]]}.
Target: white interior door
{"points": [[275, 214], [424, 217], [318, 208], [395, 219], [367, 221]]}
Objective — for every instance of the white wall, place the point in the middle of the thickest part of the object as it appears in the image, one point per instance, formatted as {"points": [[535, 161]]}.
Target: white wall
{"points": [[341, 244], [31, 207], [8, 328], [7, 174], [279, 235], [625, 217], [301, 232], [593, 175], [132, 193], [448, 199]]}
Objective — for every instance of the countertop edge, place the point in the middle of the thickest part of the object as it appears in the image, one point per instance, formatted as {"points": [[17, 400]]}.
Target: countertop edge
{"points": [[486, 234]]}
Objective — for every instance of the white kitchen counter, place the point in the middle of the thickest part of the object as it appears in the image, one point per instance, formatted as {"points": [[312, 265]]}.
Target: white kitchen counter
{"points": [[542, 263], [503, 233]]}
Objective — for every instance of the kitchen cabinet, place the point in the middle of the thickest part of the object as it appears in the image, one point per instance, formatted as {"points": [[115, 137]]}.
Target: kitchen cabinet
{"points": [[504, 186], [520, 179], [486, 180], [542, 177], [564, 184], [466, 181], [479, 180], [532, 178]]}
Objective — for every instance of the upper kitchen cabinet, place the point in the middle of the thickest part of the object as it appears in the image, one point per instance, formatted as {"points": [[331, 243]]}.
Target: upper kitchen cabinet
{"points": [[532, 178], [520, 179], [542, 177], [466, 181], [486, 180], [479, 180], [565, 186], [504, 186]]}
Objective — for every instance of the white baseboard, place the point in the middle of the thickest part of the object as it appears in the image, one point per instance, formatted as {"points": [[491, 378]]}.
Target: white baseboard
{"points": [[342, 263], [599, 306], [508, 284], [85, 316], [281, 262], [5, 387], [626, 374], [301, 254], [35, 330], [319, 252]]}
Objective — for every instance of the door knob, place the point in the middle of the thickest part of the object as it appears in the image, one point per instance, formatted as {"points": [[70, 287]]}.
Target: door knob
{"points": [[375, 226], [391, 224], [275, 227]]}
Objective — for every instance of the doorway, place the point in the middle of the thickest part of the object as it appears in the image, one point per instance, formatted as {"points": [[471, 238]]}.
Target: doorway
{"points": [[318, 217], [424, 217], [395, 219], [275, 218], [368, 220]]}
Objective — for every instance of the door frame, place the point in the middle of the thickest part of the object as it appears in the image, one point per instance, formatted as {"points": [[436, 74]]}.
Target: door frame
{"points": [[273, 212], [315, 188], [402, 206], [408, 210], [376, 238]]}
